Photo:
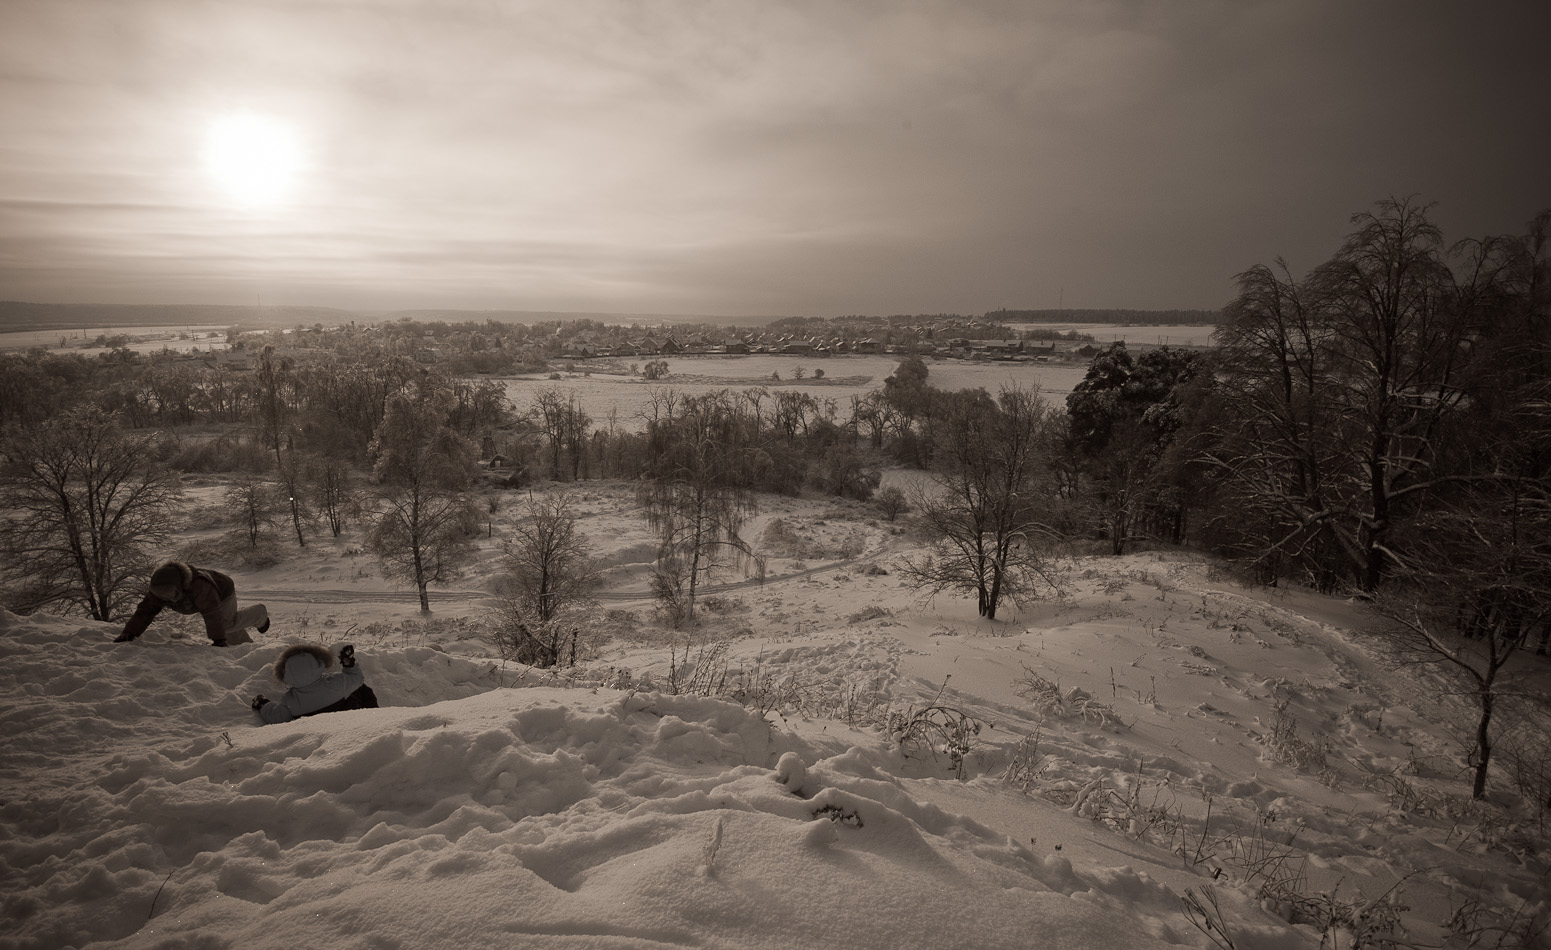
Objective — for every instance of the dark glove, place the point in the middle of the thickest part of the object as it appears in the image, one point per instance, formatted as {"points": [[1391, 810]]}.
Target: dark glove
{"points": [[258, 702], [347, 655]]}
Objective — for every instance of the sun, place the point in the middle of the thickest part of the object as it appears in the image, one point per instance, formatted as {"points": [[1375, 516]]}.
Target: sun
{"points": [[254, 159]]}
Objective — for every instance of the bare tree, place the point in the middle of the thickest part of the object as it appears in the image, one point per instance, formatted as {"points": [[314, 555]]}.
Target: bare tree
{"points": [[1127, 482], [84, 505], [550, 576], [480, 406], [577, 425], [549, 413], [892, 501], [697, 496], [251, 502], [332, 485], [793, 412], [273, 375], [425, 524], [990, 502], [561, 418], [873, 413]]}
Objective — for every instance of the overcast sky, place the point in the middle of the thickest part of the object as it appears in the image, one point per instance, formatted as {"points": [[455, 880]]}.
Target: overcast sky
{"points": [[744, 157]]}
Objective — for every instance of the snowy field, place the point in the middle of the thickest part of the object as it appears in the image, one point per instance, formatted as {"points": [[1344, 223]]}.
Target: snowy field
{"points": [[610, 388], [178, 339], [1158, 744]]}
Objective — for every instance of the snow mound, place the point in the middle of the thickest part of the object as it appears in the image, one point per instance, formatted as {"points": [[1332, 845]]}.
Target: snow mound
{"points": [[147, 809]]}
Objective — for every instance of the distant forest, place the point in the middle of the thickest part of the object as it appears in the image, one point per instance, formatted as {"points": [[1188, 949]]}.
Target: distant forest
{"points": [[17, 316], [1140, 318]]}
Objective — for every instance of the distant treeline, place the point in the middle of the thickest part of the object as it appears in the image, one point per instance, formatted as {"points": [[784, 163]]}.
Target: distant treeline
{"points": [[1142, 318], [16, 316]]}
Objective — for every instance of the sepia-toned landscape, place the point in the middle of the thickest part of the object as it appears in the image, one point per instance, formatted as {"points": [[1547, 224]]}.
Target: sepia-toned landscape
{"points": [[884, 476], [1156, 747]]}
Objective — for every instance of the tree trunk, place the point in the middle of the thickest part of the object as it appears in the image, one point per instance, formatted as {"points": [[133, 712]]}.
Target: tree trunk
{"points": [[1483, 748], [996, 593], [420, 582], [694, 573]]}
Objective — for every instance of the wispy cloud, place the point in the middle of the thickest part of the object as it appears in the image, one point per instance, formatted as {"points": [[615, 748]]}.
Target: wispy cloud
{"points": [[784, 156]]}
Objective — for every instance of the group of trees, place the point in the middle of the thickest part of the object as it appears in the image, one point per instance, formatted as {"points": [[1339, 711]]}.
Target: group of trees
{"points": [[88, 504], [338, 390], [1363, 395], [1387, 413], [1384, 424], [1119, 460], [803, 442]]}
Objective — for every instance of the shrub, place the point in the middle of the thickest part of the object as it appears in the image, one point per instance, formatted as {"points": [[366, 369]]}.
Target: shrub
{"points": [[1076, 703], [669, 583], [1288, 748], [779, 539], [892, 502], [226, 452], [873, 612], [936, 729], [232, 550], [544, 645], [717, 604], [1528, 755]]}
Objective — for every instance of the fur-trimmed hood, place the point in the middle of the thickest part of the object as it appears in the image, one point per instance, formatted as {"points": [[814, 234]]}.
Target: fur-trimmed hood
{"points": [[190, 581], [302, 664], [173, 572], [304, 668]]}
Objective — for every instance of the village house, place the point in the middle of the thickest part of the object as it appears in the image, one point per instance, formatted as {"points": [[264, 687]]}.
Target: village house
{"points": [[230, 359]]}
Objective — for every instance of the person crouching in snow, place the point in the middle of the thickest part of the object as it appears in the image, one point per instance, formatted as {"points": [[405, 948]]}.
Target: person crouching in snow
{"points": [[303, 667], [191, 590]]}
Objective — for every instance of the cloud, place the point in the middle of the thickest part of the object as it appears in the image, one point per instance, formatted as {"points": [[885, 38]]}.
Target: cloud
{"points": [[853, 156]]}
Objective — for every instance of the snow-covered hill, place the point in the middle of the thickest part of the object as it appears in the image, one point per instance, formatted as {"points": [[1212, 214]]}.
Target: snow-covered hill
{"points": [[1127, 769]]}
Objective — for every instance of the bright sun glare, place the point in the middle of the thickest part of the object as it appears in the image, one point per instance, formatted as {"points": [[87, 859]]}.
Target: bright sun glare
{"points": [[254, 159]]}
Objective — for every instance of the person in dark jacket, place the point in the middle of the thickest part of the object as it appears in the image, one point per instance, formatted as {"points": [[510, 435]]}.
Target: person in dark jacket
{"points": [[190, 590], [304, 668]]}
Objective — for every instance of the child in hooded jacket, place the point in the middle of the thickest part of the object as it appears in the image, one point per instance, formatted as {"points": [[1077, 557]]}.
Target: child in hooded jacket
{"points": [[304, 667], [192, 590]]}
